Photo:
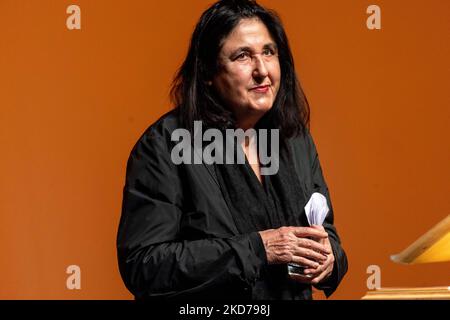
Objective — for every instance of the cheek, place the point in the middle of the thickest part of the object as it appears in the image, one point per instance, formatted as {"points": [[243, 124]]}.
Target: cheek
{"points": [[235, 79], [241, 77], [232, 85]]}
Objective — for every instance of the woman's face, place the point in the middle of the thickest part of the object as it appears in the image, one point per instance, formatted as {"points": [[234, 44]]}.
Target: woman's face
{"points": [[249, 73]]}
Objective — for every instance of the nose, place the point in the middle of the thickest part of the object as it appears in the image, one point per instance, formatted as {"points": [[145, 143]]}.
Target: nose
{"points": [[260, 69]]}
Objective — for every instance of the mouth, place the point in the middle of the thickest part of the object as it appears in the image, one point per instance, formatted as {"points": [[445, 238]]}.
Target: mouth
{"points": [[261, 89]]}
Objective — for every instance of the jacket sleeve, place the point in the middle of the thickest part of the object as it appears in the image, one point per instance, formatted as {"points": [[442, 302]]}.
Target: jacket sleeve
{"points": [[340, 267], [154, 261]]}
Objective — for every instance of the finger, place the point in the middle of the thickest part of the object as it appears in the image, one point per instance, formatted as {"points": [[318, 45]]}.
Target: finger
{"points": [[314, 272], [305, 262], [311, 254], [320, 273], [305, 232], [320, 277], [314, 245]]}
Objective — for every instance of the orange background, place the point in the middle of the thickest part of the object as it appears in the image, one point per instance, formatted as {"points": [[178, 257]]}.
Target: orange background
{"points": [[73, 103]]}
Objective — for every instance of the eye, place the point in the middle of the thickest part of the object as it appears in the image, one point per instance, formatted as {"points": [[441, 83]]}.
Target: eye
{"points": [[242, 56], [268, 52]]}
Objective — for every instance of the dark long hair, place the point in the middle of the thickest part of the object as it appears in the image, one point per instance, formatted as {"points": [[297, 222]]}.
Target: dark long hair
{"points": [[195, 100]]}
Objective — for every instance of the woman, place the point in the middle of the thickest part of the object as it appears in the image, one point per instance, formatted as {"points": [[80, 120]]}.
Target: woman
{"points": [[224, 230]]}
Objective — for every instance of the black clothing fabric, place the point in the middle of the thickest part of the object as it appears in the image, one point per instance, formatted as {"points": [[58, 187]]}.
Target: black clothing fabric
{"points": [[277, 202], [184, 232]]}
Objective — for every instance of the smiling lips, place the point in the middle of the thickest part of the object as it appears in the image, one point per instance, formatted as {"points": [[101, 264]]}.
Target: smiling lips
{"points": [[261, 89]]}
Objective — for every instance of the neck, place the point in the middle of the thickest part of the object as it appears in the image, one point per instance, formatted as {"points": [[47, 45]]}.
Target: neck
{"points": [[248, 122]]}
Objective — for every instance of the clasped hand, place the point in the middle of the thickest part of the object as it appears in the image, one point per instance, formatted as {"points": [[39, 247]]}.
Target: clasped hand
{"points": [[307, 246]]}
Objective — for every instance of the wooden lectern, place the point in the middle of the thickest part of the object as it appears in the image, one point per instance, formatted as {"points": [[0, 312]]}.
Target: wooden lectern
{"points": [[433, 246]]}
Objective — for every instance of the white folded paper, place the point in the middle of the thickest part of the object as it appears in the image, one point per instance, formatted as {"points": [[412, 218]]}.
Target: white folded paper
{"points": [[316, 209]]}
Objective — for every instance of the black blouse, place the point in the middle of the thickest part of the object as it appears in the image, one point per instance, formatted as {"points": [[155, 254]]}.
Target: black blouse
{"points": [[255, 206]]}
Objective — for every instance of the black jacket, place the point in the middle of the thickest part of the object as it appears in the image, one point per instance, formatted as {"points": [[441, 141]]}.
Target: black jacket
{"points": [[177, 238]]}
